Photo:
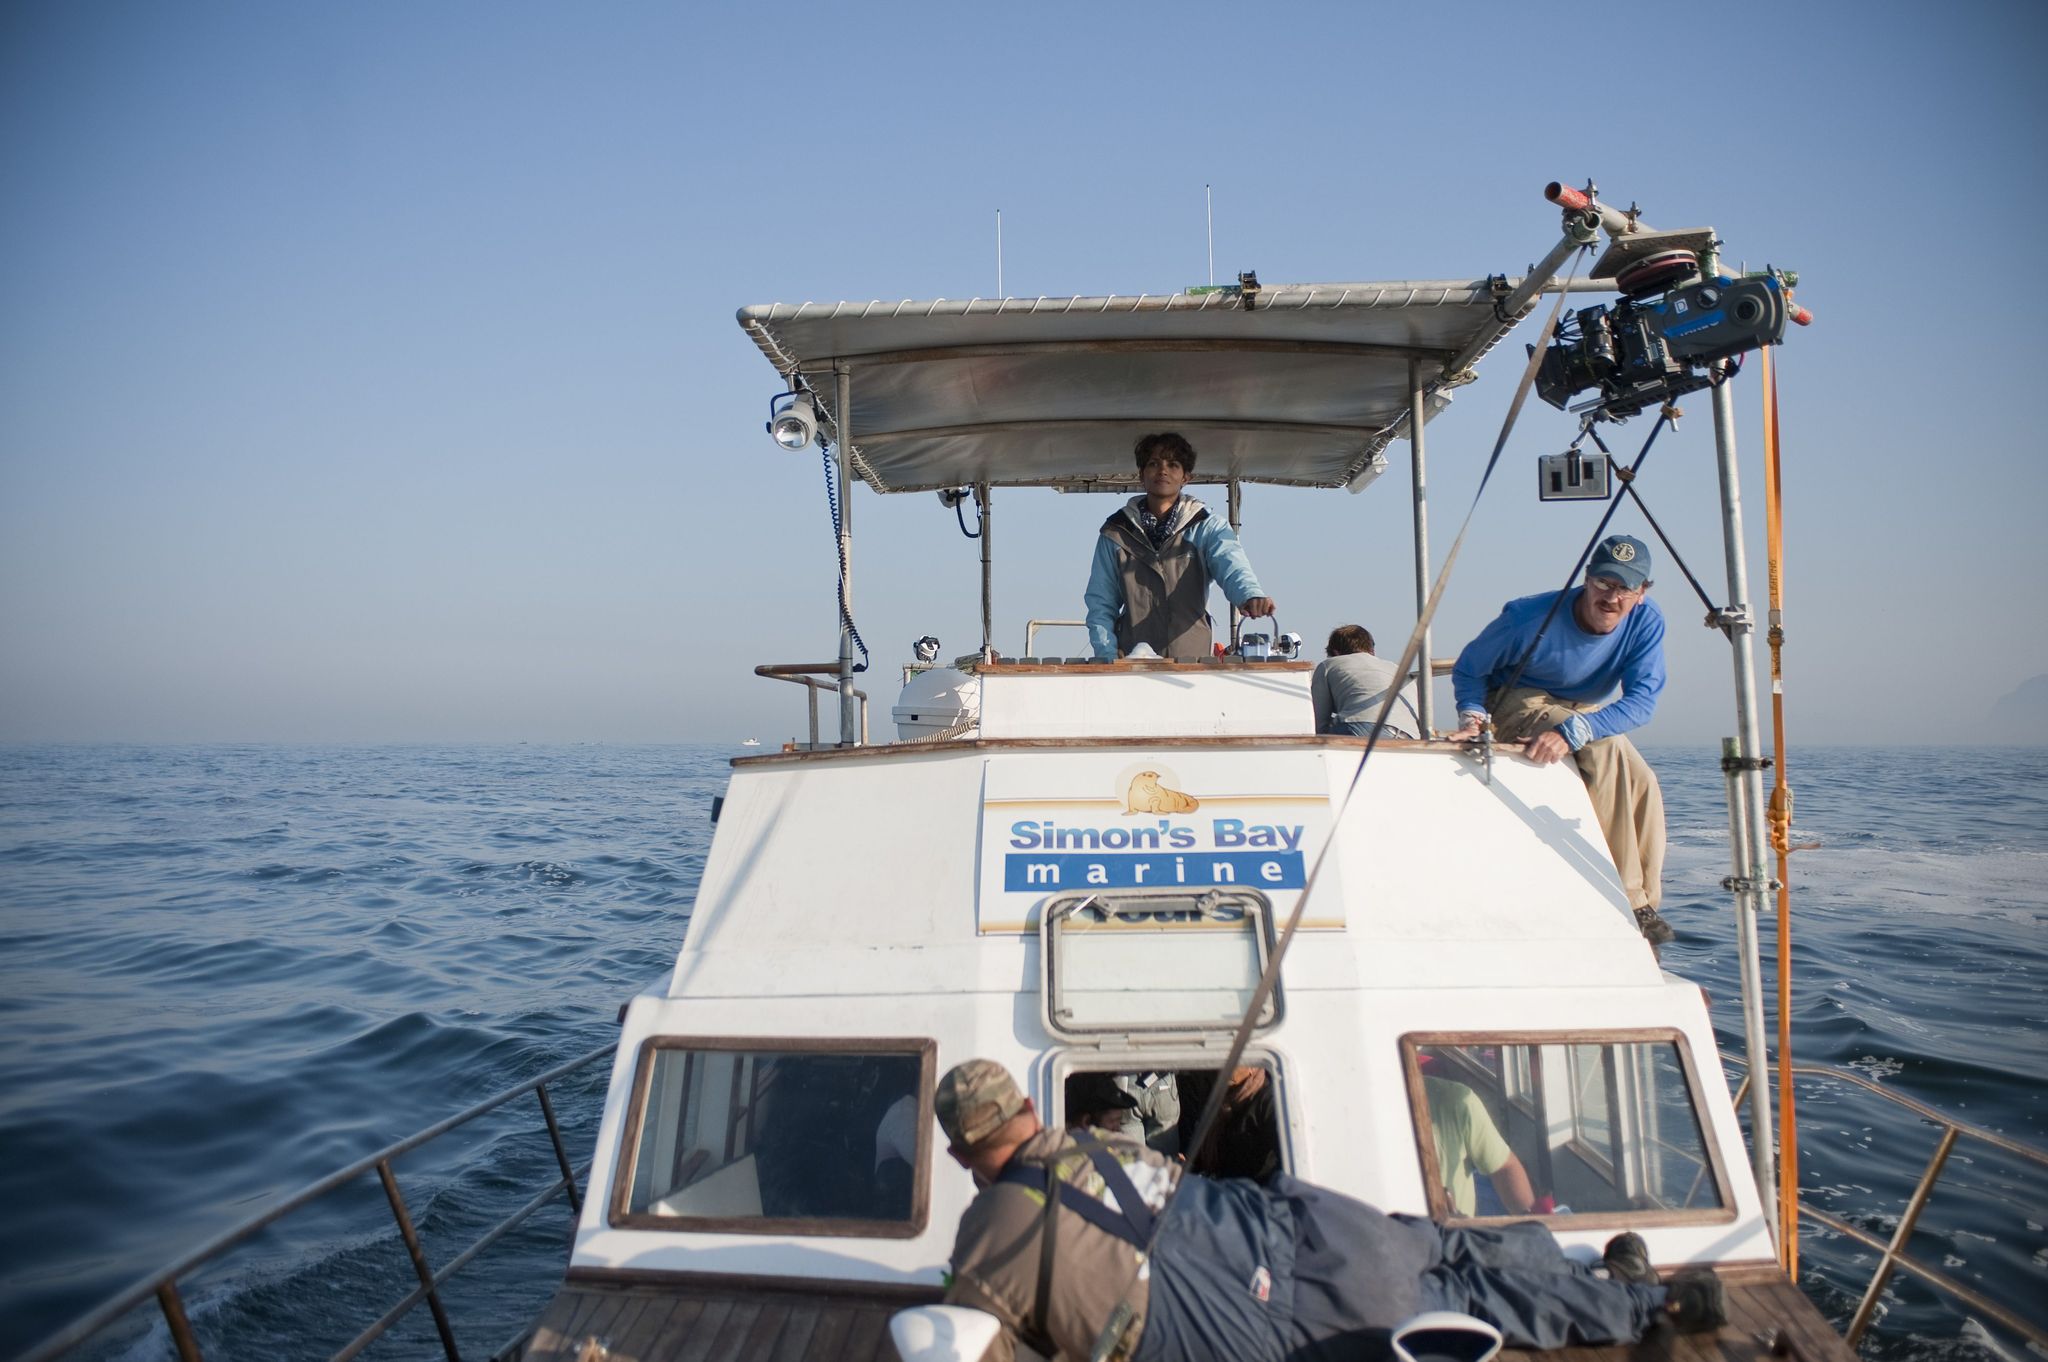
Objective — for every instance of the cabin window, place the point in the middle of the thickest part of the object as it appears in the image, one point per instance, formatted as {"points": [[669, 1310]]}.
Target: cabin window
{"points": [[779, 1136], [1591, 1082], [1518, 1077], [1602, 1126], [1162, 1106]]}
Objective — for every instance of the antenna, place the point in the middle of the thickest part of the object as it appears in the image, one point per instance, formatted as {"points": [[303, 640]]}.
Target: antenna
{"points": [[1209, 201], [999, 253]]}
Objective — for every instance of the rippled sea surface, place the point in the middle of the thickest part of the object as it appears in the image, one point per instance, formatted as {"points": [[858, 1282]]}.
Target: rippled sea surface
{"points": [[226, 971]]}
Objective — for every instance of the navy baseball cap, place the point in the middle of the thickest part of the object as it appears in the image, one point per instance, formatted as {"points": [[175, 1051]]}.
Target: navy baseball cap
{"points": [[1623, 557]]}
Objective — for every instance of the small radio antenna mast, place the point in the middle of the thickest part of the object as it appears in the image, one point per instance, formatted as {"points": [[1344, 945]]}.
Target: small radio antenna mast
{"points": [[1209, 201], [999, 253]]}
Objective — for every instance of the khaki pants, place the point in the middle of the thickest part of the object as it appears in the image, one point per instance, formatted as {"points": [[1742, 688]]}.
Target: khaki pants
{"points": [[1626, 797]]}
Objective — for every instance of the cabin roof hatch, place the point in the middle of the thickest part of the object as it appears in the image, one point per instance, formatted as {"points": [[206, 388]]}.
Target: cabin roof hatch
{"points": [[1176, 966]]}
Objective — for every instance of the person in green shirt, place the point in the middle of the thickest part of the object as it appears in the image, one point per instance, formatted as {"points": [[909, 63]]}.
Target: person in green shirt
{"points": [[1467, 1141]]}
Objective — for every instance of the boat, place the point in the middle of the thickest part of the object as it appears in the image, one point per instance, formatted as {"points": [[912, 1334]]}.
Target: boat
{"points": [[1147, 869], [750, 742]]}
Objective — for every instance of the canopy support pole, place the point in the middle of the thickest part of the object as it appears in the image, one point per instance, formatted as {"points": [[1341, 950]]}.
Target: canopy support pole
{"points": [[1425, 681], [1750, 882], [1234, 505], [842, 408], [988, 597]]}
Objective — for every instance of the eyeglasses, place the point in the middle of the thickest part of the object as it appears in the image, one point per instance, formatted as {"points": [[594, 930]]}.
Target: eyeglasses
{"points": [[1609, 586]]}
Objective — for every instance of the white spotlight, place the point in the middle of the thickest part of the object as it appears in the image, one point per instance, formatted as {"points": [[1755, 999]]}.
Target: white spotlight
{"points": [[796, 425]]}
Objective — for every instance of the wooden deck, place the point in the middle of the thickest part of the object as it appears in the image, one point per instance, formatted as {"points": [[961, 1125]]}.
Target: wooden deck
{"points": [[1763, 1306], [700, 1317], [685, 1317]]}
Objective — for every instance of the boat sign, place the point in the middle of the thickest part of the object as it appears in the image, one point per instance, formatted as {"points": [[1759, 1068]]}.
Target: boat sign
{"points": [[1084, 821]]}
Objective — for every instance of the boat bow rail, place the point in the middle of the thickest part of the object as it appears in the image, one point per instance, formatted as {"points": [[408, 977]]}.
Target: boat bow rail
{"points": [[807, 675], [1894, 1253], [163, 1284]]}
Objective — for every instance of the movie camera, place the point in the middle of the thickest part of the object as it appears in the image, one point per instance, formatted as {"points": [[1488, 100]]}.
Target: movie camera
{"points": [[1657, 341]]}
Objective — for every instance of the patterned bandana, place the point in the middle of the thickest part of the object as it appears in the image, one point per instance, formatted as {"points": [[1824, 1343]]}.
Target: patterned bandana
{"points": [[1160, 528]]}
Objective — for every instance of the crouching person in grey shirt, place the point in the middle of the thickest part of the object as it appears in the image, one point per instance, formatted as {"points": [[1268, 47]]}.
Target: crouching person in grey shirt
{"points": [[1351, 685]]}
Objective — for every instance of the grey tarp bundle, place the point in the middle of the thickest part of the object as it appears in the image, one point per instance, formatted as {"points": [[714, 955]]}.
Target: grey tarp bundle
{"points": [[1284, 1271], [1279, 1272]]}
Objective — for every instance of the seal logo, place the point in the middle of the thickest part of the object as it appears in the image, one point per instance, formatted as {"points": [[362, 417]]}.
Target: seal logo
{"points": [[1621, 551], [1146, 795]]}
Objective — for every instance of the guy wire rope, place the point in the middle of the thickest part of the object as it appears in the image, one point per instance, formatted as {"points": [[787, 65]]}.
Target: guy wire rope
{"points": [[1212, 1109], [1780, 818], [1628, 485]]}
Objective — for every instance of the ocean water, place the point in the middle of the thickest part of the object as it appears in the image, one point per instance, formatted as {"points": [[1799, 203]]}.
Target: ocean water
{"points": [[225, 971]]}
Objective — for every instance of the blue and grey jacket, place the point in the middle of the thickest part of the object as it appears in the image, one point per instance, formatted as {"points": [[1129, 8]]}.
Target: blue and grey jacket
{"points": [[1142, 592]]}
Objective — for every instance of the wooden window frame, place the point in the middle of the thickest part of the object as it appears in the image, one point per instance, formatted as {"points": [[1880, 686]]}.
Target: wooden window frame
{"points": [[625, 1167], [1425, 1142]]}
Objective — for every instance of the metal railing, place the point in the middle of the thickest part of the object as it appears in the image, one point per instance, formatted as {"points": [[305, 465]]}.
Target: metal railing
{"points": [[806, 674], [1031, 628], [1893, 1255], [163, 1284]]}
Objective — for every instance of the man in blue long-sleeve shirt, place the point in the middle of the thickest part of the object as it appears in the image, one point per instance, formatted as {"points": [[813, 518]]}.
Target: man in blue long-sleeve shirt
{"points": [[1604, 636], [1154, 560]]}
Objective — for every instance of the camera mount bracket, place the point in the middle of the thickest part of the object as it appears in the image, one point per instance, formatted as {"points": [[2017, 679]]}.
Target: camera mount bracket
{"points": [[1623, 251]]}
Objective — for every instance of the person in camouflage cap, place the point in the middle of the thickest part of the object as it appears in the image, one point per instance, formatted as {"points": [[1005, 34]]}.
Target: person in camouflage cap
{"points": [[975, 1100]]}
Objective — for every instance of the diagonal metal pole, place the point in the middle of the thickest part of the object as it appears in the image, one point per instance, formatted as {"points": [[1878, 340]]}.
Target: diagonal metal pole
{"points": [[420, 1266], [1868, 1305], [547, 1109], [1628, 485], [180, 1325]]}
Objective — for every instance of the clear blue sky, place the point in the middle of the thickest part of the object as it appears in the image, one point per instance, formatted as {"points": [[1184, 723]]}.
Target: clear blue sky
{"points": [[368, 371]]}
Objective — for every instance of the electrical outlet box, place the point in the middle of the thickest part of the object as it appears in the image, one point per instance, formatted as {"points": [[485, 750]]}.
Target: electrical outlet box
{"points": [[1572, 476]]}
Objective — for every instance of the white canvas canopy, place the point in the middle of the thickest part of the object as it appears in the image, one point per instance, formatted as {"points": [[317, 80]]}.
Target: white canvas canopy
{"points": [[1297, 385]]}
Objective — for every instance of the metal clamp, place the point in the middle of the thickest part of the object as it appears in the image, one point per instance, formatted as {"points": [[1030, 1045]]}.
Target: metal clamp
{"points": [[1730, 765], [1730, 619], [1498, 289], [1482, 746], [1745, 884]]}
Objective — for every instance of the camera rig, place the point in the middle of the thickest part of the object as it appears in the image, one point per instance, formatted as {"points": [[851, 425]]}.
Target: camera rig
{"points": [[1659, 340]]}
